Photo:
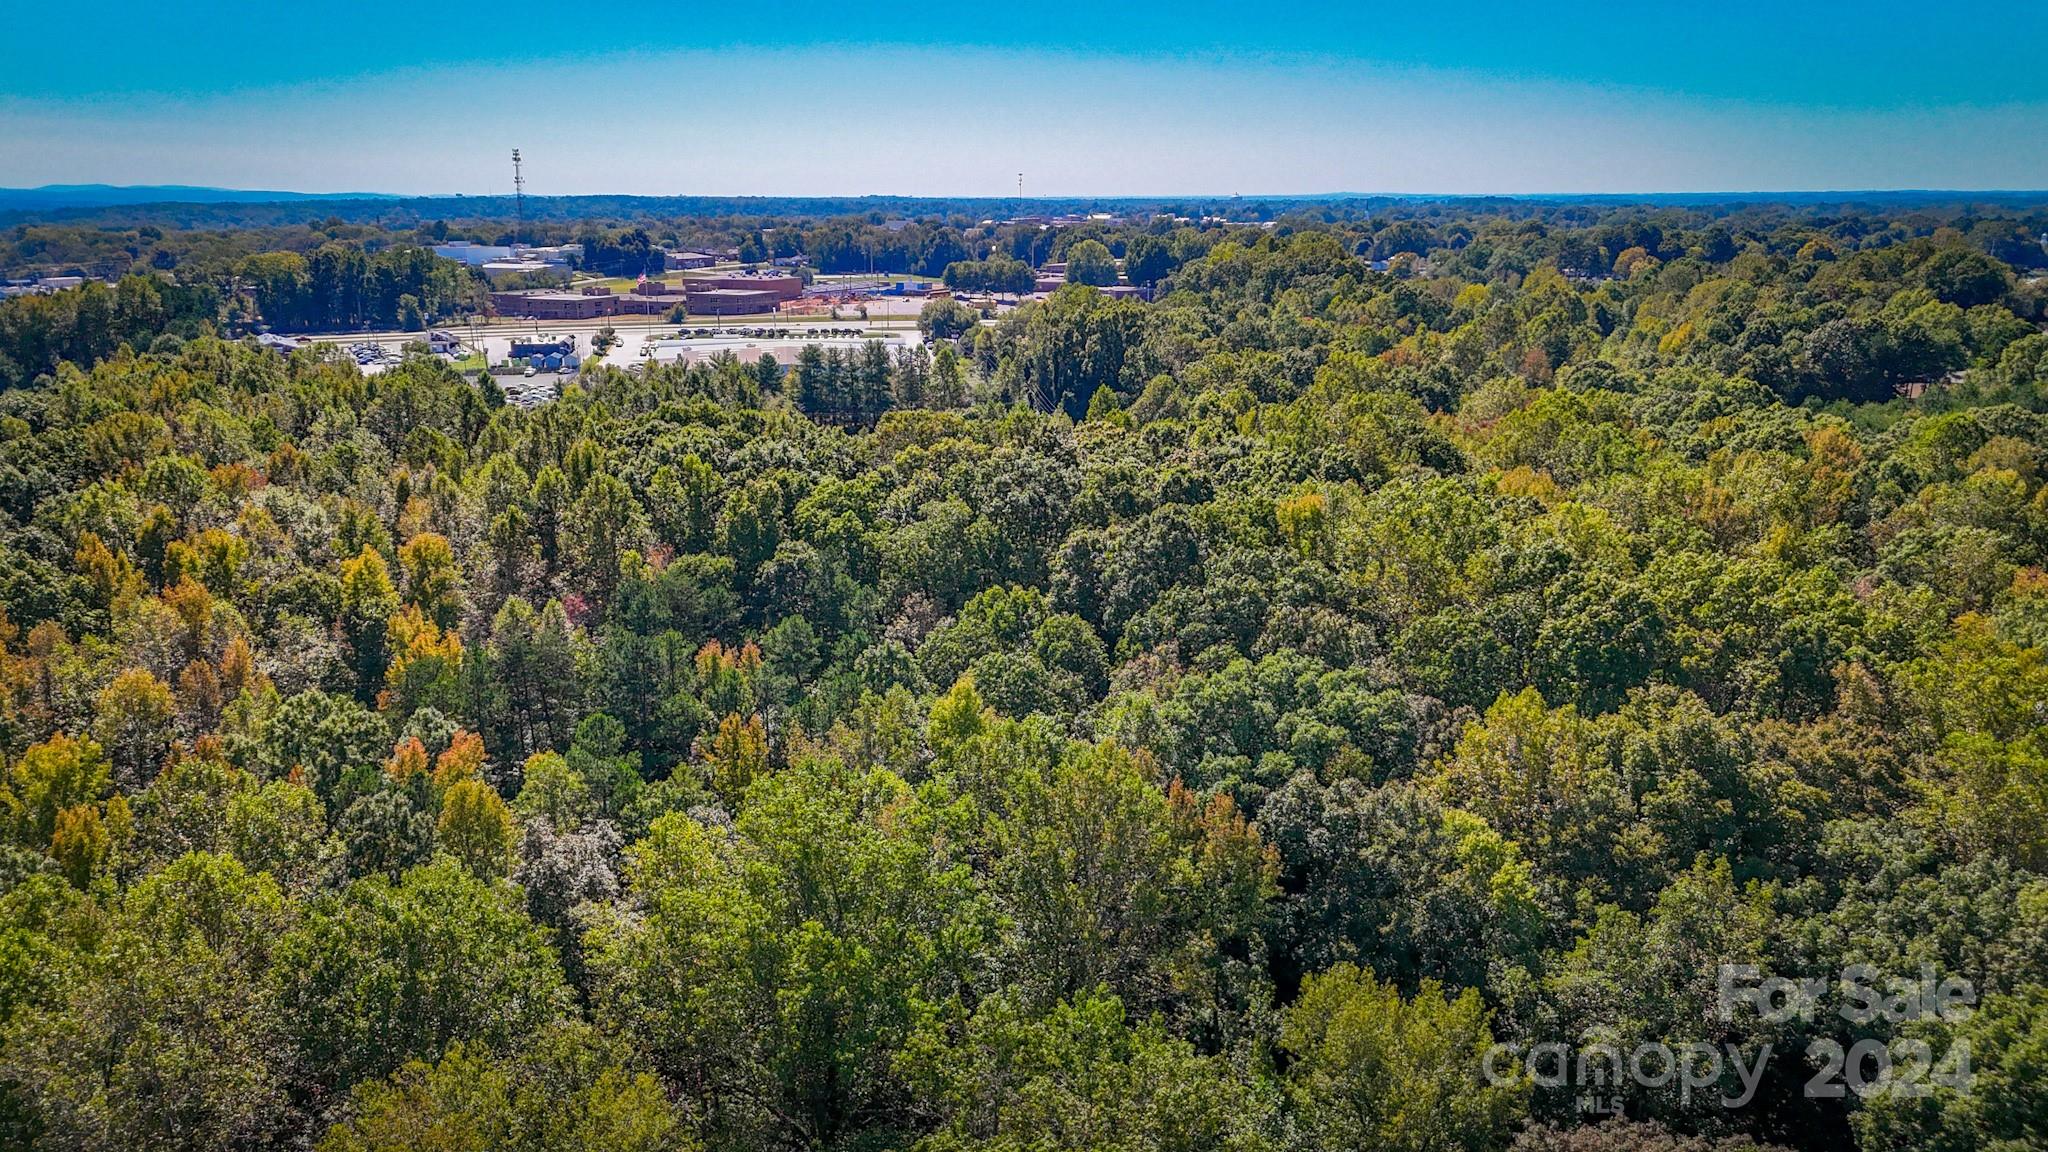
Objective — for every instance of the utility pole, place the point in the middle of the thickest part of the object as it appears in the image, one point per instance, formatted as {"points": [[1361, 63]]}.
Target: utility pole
{"points": [[518, 199]]}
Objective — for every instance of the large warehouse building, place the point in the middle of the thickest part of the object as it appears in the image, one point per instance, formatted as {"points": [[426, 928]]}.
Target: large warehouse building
{"points": [[731, 294], [555, 305], [731, 301], [782, 285]]}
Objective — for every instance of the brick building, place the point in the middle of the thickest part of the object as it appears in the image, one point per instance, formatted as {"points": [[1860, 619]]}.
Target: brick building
{"points": [[555, 305], [731, 301]]}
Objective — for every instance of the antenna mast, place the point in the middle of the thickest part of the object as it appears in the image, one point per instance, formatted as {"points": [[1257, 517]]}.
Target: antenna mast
{"points": [[1020, 185], [518, 199]]}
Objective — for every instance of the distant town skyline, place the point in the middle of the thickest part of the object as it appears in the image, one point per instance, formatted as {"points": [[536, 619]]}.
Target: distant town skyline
{"points": [[1149, 99]]}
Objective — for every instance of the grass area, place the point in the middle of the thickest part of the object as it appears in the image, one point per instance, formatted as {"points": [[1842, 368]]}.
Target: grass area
{"points": [[623, 284]]}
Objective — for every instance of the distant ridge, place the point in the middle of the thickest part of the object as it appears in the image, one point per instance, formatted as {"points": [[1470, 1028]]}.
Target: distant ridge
{"points": [[59, 196], [109, 195], [175, 206]]}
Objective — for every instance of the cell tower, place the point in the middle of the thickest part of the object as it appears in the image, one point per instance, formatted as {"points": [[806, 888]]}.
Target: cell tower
{"points": [[518, 198], [1020, 185]]}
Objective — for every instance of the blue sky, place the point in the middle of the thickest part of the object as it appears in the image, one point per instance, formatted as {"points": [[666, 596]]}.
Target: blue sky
{"points": [[781, 97]]}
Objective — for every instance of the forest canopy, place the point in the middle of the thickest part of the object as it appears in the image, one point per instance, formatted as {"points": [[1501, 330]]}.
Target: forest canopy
{"points": [[1224, 721]]}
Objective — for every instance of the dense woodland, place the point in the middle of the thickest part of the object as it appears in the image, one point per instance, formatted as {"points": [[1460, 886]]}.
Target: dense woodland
{"points": [[1207, 723]]}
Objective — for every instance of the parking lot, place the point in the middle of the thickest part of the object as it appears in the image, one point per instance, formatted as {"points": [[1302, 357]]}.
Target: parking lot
{"points": [[640, 341], [750, 342], [532, 391]]}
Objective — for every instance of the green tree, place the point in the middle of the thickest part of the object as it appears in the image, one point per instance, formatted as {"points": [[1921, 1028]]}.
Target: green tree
{"points": [[598, 757], [554, 792], [1180, 883], [2001, 1041], [608, 523], [163, 1036], [1147, 259], [383, 973], [280, 829], [784, 969], [332, 742], [1372, 1070], [1082, 1077], [566, 1092], [368, 601], [946, 319], [477, 828], [48, 778], [1089, 262], [433, 580], [682, 504], [136, 723]]}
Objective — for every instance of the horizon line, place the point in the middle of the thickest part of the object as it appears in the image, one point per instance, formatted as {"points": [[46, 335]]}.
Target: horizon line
{"points": [[359, 194]]}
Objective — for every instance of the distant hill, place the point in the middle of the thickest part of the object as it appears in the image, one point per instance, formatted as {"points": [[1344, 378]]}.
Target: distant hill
{"points": [[51, 196], [269, 209], [176, 206]]}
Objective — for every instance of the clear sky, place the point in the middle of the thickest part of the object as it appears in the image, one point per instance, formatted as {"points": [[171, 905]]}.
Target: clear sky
{"points": [[780, 97]]}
